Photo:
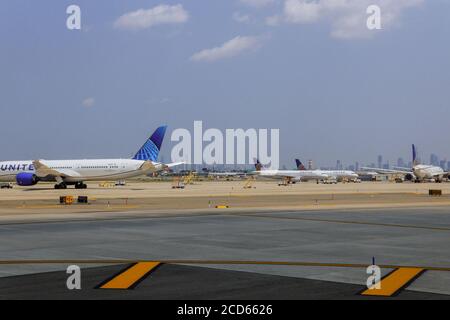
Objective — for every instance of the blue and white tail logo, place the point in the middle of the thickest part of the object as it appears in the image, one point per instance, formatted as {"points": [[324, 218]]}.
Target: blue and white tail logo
{"points": [[150, 150], [299, 164]]}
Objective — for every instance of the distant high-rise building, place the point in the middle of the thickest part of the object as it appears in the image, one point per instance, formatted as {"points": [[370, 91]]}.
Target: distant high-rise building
{"points": [[380, 161], [448, 166], [339, 165], [310, 164], [356, 166], [386, 166], [443, 164], [400, 162], [434, 160]]}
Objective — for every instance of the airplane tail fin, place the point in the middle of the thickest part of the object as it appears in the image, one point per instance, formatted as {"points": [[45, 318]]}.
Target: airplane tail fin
{"points": [[258, 165], [299, 164], [414, 155], [150, 150]]}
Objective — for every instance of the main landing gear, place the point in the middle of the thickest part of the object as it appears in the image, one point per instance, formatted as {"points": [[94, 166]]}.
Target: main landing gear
{"points": [[63, 185], [80, 185]]}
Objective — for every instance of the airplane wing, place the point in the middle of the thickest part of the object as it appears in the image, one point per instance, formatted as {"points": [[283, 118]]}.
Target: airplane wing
{"points": [[403, 169], [149, 166], [445, 174], [43, 171], [175, 164], [386, 171]]}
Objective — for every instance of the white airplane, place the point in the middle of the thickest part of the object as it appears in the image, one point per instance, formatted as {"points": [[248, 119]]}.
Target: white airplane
{"points": [[338, 175], [289, 175], [418, 173], [76, 172], [226, 174]]}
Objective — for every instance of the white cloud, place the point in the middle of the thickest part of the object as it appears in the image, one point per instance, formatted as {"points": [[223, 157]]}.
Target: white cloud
{"points": [[299, 11], [346, 17], [242, 18], [147, 18], [273, 21], [229, 49], [88, 102], [257, 3]]}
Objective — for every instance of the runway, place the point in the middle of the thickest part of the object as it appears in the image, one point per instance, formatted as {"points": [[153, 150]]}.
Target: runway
{"points": [[395, 237], [41, 203]]}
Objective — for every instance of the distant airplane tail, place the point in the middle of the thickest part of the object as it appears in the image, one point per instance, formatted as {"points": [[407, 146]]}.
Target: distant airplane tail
{"points": [[150, 150], [299, 164], [258, 165]]}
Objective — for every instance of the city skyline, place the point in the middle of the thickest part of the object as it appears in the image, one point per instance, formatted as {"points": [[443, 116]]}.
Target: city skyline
{"points": [[354, 165]]}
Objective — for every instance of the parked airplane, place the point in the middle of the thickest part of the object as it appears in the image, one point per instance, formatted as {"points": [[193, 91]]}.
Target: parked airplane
{"points": [[76, 172], [288, 175], [418, 172], [338, 175], [226, 174]]}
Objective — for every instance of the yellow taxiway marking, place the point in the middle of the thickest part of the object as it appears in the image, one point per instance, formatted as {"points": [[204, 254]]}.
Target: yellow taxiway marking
{"points": [[131, 277], [394, 282]]}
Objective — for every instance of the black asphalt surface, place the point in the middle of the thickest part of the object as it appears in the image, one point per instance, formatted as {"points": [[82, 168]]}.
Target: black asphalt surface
{"points": [[177, 282]]}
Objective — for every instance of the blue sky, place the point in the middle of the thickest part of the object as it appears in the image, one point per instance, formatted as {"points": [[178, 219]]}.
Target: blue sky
{"points": [[334, 89]]}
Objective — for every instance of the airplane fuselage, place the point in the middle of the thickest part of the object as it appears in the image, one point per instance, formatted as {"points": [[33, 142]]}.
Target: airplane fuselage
{"points": [[296, 175], [340, 174], [78, 170], [423, 172], [306, 175]]}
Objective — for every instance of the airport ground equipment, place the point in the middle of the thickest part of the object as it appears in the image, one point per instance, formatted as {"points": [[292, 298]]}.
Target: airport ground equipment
{"points": [[83, 199], [249, 183], [285, 182], [399, 180], [435, 193], [189, 179], [6, 186], [106, 184], [67, 200], [330, 181], [177, 183]]}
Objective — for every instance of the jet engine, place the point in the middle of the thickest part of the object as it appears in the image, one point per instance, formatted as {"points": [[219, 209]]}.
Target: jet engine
{"points": [[26, 179]]}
